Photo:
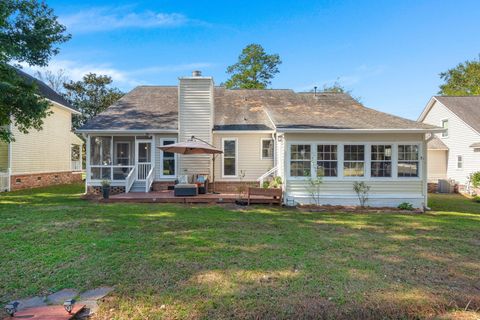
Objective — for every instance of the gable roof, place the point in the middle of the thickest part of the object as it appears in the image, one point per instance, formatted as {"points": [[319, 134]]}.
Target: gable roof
{"points": [[467, 108], [44, 90], [436, 144], [156, 108]]}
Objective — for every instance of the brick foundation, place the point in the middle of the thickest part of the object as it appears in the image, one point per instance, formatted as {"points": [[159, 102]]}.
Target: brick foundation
{"points": [[36, 180], [161, 185], [432, 187], [231, 187]]}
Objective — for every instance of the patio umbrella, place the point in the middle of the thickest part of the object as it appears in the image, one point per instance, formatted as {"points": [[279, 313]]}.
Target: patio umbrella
{"points": [[194, 146]]}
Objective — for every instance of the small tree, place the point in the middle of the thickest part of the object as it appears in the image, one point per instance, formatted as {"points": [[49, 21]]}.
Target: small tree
{"points": [[475, 179], [314, 188], [242, 187], [361, 189]]}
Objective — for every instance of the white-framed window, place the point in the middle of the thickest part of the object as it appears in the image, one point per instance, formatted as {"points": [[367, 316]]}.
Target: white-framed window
{"points": [[445, 126], [327, 160], [267, 148], [229, 157], [122, 153], [300, 160], [459, 162], [381, 161], [168, 160], [353, 160], [408, 160]]}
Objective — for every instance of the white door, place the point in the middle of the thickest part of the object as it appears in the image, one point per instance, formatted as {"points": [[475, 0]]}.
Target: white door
{"points": [[143, 158]]}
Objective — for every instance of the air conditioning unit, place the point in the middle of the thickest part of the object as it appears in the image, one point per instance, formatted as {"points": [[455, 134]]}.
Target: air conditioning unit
{"points": [[446, 186]]}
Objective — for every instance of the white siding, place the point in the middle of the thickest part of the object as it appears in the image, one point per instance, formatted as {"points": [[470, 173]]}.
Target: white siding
{"points": [[248, 157], [3, 156], [460, 137], [339, 191], [47, 150], [437, 165], [195, 119]]}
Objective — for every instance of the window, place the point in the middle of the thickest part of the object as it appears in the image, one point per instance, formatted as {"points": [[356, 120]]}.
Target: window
{"points": [[408, 160], [267, 148], [327, 160], [445, 126], [459, 162], [354, 160], [229, 157], [381, 161], [168, 160], [100, 150], [300, 157], [122, 153]]}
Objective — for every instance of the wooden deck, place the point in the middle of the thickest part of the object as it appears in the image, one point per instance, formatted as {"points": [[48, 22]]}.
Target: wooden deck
{"points": [[167, 196]]}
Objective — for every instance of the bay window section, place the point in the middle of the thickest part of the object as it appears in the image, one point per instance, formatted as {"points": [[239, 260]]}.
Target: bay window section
{"points": [[408, 161], [327, 162], [381, 161], [353, 160], [300, 160]]}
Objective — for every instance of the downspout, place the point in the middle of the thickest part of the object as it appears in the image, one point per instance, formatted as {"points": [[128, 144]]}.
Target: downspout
{"points": [[425, 169]]}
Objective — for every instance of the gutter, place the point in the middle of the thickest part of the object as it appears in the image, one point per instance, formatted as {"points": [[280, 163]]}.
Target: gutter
{"points": [[123, 131], [315, 130]]}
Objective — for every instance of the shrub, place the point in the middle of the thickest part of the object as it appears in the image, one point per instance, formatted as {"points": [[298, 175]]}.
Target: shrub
{"points": [[476, 199], [361, 189], [105, 183], [405, 206], [475, 179], [265, 184], [314, 188]]}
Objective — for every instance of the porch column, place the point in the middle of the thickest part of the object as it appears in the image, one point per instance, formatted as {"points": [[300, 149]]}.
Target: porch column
{"points": [[87, 164]]}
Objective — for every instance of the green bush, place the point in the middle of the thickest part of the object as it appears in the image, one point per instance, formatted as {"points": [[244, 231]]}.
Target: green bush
{"points": [[475, 179], [405, 206], [476, 199], [266, 184]]}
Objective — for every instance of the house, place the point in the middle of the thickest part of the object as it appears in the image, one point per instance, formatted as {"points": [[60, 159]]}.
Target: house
{"points": [[262, 132], [455, 153], [45, 157]]}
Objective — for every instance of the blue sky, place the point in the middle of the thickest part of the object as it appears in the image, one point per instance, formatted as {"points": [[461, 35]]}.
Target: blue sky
{"points": [[389, 53]]}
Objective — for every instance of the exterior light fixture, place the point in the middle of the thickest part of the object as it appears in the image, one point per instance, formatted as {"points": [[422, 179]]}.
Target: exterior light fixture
{"points": [[11, 308], [68, 305]]}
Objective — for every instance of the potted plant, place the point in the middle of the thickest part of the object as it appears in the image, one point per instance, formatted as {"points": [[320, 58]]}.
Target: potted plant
{"points": [[106, 189]]}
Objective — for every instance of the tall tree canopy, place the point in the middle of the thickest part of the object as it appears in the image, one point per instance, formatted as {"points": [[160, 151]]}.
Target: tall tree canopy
{"points": [[91, 96], [463, 80], [254, 70], [29, 33]]}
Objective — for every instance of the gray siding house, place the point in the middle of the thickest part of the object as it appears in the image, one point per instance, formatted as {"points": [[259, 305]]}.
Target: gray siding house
{"points": [[263, 133]]}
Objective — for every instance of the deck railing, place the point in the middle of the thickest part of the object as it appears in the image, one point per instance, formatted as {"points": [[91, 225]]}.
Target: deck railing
{"points": [[132, 175], [266, 174], [149, 180], [4, 181]]}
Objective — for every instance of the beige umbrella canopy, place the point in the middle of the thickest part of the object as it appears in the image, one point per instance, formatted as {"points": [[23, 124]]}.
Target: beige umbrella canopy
{"points": [[194, 146]]}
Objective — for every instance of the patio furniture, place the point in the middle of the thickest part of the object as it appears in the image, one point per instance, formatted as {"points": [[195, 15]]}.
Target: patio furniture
{"points": [[202, 183], [185, 190]]}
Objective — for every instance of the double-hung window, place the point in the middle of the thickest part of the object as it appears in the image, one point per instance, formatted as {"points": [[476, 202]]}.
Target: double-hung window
{"points": [[459, 162], [168, 160], [408, 160], [229, 157], [327, 162], [381, 161], [267, 148], [300, 160], [353, 160], [445, 126]]}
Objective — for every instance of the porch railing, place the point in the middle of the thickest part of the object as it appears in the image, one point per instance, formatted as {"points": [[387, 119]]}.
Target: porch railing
{"points": [[132, 175], [150, 176], [4, 181], [143, 170], [76, 165], [266, 174]]}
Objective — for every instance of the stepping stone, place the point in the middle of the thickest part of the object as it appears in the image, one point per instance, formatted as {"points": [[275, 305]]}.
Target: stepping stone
{"points": [[91, 307], [62, 295], [95, 294], [31, 303]]}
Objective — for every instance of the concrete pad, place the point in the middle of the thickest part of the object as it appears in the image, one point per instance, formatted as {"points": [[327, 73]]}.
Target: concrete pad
{"points": [[31, 303], [62, 295], [91, 307], [95, 294]]}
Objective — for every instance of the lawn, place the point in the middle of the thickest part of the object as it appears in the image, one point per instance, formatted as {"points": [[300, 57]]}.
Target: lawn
{"points": [[208, 262]]}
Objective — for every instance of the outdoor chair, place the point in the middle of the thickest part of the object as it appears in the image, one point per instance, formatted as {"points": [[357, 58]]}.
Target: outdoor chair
{"points": [[183, 188]]}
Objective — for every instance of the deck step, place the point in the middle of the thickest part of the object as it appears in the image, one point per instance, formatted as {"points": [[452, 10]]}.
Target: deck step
{"points": [[138, 186]]}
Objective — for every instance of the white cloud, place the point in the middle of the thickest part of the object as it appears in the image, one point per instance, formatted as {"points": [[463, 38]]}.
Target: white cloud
{"points": [[108, 18], [124, 79]]}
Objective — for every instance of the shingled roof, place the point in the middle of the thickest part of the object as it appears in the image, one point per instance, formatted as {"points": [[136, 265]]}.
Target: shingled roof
{"points": [[155, 108], [466, 108], [44, 90]]}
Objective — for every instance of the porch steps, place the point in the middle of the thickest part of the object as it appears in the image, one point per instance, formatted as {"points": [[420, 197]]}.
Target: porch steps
{"points": [[138, 186]]}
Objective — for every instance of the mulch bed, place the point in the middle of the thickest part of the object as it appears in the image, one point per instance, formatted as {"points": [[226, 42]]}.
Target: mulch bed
{"points": [[355, 209]]}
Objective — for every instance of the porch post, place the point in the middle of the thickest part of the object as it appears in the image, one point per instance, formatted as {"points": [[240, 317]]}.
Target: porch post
{"points": [[87, 164]]}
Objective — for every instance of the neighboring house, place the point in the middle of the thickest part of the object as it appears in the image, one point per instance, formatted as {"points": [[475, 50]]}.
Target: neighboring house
{"points": [[293, 135], [45, 157], [455, 153]]}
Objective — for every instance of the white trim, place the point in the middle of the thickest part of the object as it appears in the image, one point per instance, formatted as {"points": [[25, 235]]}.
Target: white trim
{"points": [[241, 131], [162, 176], [461, 162], [314, 130], [236, 157], [261, 148], [59, 105], [126, 132]]}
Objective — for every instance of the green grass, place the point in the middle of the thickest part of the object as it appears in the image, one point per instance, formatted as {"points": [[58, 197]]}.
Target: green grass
{"points": [[264, 262]]}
